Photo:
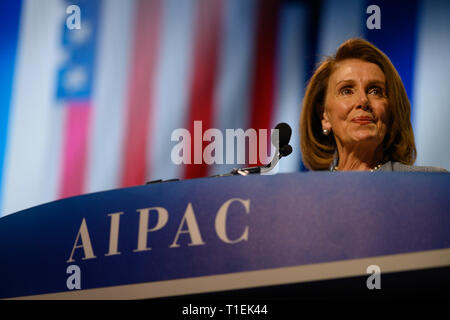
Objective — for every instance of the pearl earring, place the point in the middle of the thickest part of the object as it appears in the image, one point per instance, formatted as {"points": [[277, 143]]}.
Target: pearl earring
{"points": [[325, 132]]}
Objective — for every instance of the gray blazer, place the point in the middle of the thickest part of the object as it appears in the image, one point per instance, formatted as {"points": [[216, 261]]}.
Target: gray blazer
{"points": [[397, 166]]}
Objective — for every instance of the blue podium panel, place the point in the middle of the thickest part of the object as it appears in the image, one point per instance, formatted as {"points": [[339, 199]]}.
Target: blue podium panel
{"points": [[214, 234]]}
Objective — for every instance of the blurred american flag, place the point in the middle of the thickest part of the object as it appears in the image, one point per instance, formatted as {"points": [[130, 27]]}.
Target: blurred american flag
{"points": [[94, 109]]}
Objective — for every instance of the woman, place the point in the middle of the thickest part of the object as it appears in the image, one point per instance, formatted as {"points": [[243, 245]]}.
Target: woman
{"points": [[356, 114]]}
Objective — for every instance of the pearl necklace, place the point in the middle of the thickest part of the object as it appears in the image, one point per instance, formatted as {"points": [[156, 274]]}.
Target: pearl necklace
{"points": [[335, 168]]}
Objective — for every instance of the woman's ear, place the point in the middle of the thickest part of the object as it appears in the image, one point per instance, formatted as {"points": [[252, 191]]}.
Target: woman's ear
{"points": [[325, 119]]}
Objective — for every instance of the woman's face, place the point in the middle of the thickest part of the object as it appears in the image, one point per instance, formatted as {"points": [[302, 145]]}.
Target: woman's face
{"points": [[356, 106]]}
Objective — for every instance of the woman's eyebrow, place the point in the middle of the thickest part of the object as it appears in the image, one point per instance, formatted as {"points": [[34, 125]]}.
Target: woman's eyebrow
{"points": [[371, 82], [349, 81], [378, 82]]}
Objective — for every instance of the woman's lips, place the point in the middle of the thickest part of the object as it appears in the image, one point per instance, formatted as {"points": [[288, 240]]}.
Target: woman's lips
{"points": [[363, 120]]}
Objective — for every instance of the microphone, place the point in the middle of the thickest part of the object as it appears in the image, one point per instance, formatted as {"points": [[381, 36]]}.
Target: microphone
{"points": [[286, 150], [284, 134], [283, 149]]}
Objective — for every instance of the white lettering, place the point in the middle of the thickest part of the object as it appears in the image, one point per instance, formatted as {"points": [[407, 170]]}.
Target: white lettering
{"points": [[215, 147], [240, 135], [246, 146], [374, 281], [74, 280], [192, 229], [374, 21], [163, 217], [114, 234], [198, 142], [221, 221], [74, 20], [181, 152], [199, 310], [85, 243]]}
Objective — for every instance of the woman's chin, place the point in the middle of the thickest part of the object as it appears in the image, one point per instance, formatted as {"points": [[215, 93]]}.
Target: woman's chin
{"points": [[366, 137]]}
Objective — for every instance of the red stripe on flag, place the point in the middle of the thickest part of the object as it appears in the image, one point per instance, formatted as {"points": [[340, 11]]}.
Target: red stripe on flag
{"points": [[75, 148], [204, 74], [263, 91], [139, 113]]}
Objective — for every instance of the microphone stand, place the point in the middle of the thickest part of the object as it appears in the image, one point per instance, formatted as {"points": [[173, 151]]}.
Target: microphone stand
{"points": [[281, 152]]}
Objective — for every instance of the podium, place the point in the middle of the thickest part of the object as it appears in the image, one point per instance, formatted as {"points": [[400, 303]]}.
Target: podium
{"points": [[258, 235]]}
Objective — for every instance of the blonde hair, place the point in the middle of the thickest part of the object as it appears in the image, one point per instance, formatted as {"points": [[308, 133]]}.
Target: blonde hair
{"points": [[317, 149]]}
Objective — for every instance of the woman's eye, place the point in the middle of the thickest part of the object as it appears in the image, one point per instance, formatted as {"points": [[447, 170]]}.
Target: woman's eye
{"points": [[345, 91], [376, 91]]}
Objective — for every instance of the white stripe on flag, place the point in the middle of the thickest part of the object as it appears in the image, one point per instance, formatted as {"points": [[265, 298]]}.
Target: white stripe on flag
{"points": [[431, 89], [171, 87], [291, 71], [340, 20], [34, 147], [109, 105], [233, 91]]}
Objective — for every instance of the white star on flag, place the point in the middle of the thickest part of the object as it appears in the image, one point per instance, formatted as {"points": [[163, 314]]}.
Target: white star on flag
{"points": [[75, 79]]}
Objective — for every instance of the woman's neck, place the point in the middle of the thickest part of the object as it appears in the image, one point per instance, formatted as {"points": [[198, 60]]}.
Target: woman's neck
{"points": [[359, 159]]}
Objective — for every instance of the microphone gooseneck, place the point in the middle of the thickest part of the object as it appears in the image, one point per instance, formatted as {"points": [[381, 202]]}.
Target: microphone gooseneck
{"points": [[283, 149]]}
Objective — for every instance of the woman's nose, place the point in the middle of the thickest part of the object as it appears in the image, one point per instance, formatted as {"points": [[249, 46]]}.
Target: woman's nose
{"points": [[363, 101]]}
